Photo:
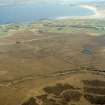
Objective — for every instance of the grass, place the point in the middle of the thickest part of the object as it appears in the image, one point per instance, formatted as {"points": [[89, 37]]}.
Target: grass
{"points": [[59, 26], [74, 25], [2, 34]]}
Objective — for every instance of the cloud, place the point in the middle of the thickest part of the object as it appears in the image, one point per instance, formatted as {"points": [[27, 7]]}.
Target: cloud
{"points": [[15, 2], [24, 1]]}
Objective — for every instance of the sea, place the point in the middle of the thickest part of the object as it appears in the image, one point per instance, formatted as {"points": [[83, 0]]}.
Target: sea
{"points": [[34, 12]]}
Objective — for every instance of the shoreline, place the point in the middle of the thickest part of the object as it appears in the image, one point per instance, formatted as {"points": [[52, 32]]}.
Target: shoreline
{"points": [[94, 9], [97, 14]]}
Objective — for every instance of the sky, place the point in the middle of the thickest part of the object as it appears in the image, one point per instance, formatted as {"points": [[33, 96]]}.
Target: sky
{"points": [[9, 2]]}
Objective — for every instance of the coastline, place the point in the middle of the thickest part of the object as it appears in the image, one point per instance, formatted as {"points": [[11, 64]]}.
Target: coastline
{"points": [[97, 14], [94, 9]]}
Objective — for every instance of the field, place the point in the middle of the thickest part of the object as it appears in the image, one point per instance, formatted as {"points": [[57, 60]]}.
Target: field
{"points": [[57, 62]]}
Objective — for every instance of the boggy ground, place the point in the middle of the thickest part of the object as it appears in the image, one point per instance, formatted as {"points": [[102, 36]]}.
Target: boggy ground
{"points": [[31, 62]]}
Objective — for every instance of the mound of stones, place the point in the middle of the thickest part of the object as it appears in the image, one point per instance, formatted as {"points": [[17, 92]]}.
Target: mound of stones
{"points": [[95, 91], [30, 101], [60, 94], [65, 94]]}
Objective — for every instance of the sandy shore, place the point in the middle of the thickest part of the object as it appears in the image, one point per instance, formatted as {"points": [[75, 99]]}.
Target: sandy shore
{"points": [[97, 14]]}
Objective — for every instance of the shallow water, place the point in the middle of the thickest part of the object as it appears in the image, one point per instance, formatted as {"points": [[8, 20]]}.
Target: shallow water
{"points": [[28, 13]]}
